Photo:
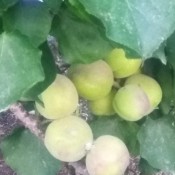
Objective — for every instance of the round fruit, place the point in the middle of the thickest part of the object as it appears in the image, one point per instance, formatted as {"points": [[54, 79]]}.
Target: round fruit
{"points": [[150, 87], [103, 106], [122, 66], [60, 99], [67, 138], [131, 103], [93, 81], [108, 156]]}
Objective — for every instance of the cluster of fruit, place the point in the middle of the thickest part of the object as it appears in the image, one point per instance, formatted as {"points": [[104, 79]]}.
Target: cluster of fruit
{"points": [[138, 97], [69, 138]]}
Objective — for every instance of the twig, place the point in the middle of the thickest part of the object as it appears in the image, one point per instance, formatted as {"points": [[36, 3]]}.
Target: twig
{"points": [[59, 61], [28, 120], [7, 123]]}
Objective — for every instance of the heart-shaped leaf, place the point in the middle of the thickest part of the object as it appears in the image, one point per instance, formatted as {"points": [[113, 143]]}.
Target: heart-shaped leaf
{"points": [[157, 140], [140, 25], [20, 67], [27, 155], [38, 23]]}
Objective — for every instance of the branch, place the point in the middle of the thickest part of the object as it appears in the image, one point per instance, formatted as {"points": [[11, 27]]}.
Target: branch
{"points": [[28, 120]]}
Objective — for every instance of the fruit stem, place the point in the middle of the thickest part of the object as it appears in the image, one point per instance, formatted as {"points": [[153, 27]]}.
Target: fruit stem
{"points": [[83, 110], [59, 61], [116, 85]]}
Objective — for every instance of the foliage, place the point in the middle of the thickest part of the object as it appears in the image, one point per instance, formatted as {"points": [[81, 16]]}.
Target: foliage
{"points": [[37, 15], [83, 41], [87, 31], [20, 67], [127, 131], [158, 148], [23, 150], [134, 24]]}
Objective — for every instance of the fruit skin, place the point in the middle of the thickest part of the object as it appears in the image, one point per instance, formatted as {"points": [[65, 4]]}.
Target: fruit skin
{"points": [[103, 106], [131, 103], [66, 139], [93, 81], [150, 87], [122, 66], [60, 99], [108, 156]]}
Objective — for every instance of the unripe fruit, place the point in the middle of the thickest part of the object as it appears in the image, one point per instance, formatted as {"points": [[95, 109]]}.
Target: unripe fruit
{"points": [[60, 99], [131, 103], [67, 138], [108, 156], [93, 81], [150, 87], [103, 106], [122, 66]]}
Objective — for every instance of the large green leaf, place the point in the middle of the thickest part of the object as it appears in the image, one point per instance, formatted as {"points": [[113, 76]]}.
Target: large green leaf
{"points": [[127, 131], [50, 71], [170, 45], [164, 75], [5, 4], [170, 49], [31, 18], [1, 25], [157, 140], [53, 5], [27, 155], [140, 25], [79, 40], [145, 168], [170, 52], [76, 7], [160, 53], [20, 67]]}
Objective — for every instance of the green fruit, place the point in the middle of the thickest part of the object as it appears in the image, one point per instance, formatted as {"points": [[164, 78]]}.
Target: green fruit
{"points": [[131, 103], [60, 99], [150, 87], [68, 139], [108, 156], [93, 81], [103, 106], [122, 66]]}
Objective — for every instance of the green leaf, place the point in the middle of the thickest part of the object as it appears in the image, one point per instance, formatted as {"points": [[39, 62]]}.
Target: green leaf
{"points": [[160, 54], [53, 5], [145, 168], [20, 67], [27, 155], [1, 25], [170, 51], [76, 7], [5, 4], [164, 75], [38, 23], [157, 140], [138, 25], [127, 131], [170, 45], [79, 40], [49, 68]]}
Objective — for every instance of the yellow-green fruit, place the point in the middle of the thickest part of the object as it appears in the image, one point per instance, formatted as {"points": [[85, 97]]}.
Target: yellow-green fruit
{"points": [[93, 81], [103, 106], [108, 156], [67, 139], [122, 66], [60, 99], [131, 103], [150, 87]]}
